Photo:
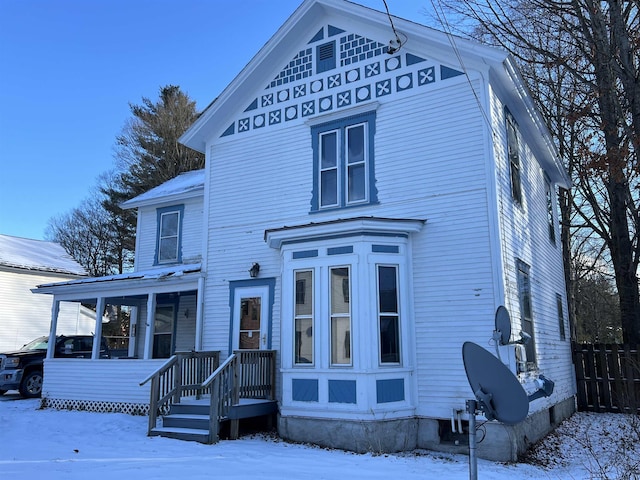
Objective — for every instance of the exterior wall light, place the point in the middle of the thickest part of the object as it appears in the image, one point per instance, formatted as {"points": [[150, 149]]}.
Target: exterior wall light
{"points": [[254, 270]]}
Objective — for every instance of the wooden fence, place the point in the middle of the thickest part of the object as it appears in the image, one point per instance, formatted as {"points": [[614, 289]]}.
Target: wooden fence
{"points": [[608, 377]]}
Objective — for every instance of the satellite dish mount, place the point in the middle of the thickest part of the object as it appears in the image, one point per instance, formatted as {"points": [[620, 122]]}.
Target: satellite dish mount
{"points": [[498, 394]]}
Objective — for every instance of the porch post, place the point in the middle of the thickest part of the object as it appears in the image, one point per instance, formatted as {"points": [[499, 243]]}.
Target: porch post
{"points": [[133, 331], [199, 314], [150, 326], [97, 337], [55, 309]]}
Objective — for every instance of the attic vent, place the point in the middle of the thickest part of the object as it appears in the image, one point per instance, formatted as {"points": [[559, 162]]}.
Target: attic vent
{"points": [[325, 51], [325, 57]]}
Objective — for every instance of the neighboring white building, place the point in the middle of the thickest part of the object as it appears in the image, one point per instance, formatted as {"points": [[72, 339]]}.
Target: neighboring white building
{"points": [[24, 264], [389, 204]]}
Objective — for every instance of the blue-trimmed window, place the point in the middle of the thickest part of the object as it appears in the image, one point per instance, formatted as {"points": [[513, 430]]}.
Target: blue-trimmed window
{"points": [[513, 150], [343, 162], [169, 235]]}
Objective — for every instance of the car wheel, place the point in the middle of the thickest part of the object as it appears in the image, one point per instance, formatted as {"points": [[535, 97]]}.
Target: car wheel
{"points": [[31, 385]]}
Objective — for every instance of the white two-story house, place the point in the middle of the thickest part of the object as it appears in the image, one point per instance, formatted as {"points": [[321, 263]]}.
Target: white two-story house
{"points": [[363, 212]]}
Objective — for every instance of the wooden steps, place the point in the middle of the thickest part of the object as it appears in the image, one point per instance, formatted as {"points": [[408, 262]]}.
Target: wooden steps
{"points": [[190, 420]]}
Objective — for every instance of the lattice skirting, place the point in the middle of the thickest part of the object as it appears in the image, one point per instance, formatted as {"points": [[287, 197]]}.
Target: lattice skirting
{"points": [[96, 406]]}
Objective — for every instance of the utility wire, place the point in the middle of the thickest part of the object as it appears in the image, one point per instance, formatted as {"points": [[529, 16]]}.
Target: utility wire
{"points": [[443, 21]]}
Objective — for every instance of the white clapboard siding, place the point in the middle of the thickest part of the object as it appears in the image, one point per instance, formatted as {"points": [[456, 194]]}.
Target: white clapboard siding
{"points": [[420, 173], [191, 233], [26, 315], [526, 237], [115, 380]]}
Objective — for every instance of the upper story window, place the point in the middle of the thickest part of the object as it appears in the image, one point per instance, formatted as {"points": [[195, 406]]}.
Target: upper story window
{"points": [[563, 335], [343, 162], [169, 234], [513, 150], [550, 222]]}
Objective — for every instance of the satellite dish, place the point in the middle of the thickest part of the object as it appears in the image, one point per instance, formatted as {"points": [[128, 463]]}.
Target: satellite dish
{"points": [[497, 389], [503, 326]]}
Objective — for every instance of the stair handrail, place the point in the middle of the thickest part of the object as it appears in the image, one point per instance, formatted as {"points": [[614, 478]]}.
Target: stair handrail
{"points": [[210, 378], [216, 402], [155, 389], [168, 382], [161, 369]]}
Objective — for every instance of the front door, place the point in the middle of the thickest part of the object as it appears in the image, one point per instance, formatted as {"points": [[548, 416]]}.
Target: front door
{"points": [[250, 318]]}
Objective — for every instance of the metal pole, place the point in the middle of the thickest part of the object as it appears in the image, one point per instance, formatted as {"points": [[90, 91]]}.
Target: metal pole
{"points": [[473, 461]]}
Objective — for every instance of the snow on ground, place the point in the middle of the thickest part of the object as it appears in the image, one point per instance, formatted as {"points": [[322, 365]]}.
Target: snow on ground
{"points": [[53, 444]]}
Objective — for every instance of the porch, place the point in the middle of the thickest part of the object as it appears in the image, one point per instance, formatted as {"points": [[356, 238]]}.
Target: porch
{"points": [[189, 396], [184, 407]]}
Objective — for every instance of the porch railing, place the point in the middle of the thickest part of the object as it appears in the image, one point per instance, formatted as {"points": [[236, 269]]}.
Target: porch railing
{"points": [[245, 374], [180, 376]]}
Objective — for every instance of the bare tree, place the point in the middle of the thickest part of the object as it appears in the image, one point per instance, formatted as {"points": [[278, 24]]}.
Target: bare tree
{"points": [[582, 61], [85, 234]]}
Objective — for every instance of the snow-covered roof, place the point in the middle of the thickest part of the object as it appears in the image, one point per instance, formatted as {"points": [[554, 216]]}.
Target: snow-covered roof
{"points": [[37, 255], [173, 271], [185, 185]]}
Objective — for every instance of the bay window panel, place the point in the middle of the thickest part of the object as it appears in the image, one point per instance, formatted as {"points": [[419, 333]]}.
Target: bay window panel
{"points": [[303, 322], [340, 290], [341, 341], [340, 316], [388, 314], [389, 341], [304, 341], [387, 290]]}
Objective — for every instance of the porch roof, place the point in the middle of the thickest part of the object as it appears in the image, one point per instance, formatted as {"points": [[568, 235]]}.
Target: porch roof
{"points": [[174, 278]]}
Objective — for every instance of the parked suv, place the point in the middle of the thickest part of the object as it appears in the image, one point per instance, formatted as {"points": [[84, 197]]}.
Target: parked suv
{"points": [[22, 370]]}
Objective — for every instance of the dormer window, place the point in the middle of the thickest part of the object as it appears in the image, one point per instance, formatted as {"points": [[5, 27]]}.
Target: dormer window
{"points": [[169, 234]]}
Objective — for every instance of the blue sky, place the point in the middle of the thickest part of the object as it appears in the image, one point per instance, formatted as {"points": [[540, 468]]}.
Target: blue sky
{"points": [[70, 68]]}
